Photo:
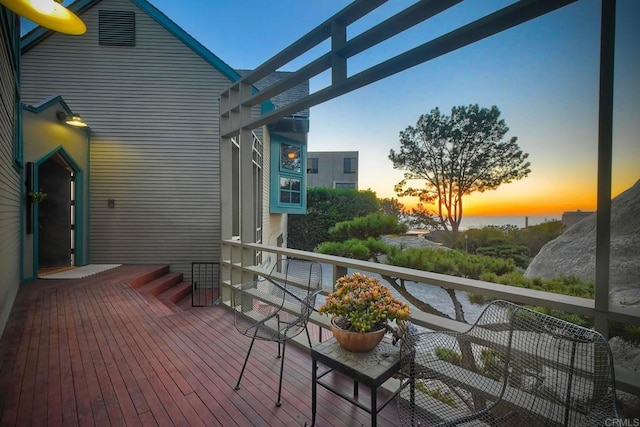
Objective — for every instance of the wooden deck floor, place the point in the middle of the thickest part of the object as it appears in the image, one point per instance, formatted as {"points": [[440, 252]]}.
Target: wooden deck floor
{"points": [[94, 351]]}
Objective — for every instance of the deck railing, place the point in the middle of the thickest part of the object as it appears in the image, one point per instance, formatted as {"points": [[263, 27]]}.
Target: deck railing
{"points": [[237, 267]]}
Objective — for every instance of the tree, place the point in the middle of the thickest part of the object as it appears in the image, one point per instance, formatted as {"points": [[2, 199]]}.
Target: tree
{"points": [[326, 207], [455, 156], [415, 218]]}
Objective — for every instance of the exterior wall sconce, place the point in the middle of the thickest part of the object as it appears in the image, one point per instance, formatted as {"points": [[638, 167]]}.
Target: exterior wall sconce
{"points": [[293, 152], [71, 119], [48, 13]]}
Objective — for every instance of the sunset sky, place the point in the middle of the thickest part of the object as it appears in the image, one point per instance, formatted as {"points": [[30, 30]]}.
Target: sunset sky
{"points": [[543, 76]]}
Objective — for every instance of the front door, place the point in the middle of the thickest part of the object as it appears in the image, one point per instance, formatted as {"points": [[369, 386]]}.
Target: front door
{"points": [[54, 213]]}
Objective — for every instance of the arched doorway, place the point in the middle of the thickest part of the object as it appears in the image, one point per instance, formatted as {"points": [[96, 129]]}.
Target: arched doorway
{"points": [[56, 214]]}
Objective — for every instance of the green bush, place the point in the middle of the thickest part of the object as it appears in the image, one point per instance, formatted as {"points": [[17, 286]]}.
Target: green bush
{"points": [[453, 263], [373, 225], [325, 208], [355, 248], [448, 355]]}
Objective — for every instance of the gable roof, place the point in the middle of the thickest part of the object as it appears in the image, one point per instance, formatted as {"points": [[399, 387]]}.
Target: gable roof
{"points": [[46, 103], [39, 33]]}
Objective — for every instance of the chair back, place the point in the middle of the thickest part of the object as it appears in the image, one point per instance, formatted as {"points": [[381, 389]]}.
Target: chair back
{"points": [[515, 364], [301, 282], [277, 306]]}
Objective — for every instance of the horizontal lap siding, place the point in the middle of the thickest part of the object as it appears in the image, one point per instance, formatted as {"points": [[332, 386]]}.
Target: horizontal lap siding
{"points": [[9, 187], [153, 112]]}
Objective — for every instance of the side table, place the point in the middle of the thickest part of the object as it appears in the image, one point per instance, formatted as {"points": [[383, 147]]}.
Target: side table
{"points": [[371, 369]]}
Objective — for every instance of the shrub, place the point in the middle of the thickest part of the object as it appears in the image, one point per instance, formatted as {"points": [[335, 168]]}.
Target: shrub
{"points": [[325, 208], [448, 355], [373, 225]]}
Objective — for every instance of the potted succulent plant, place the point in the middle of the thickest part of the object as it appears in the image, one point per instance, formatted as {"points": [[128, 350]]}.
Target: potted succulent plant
{"points": [[361, 308]]}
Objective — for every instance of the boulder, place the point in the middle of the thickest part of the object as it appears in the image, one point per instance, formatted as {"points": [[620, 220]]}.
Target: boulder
{"points": [[574, 252]]}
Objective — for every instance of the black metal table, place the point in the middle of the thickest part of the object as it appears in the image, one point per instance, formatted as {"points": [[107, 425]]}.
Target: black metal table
{"points": [[371, 369]]}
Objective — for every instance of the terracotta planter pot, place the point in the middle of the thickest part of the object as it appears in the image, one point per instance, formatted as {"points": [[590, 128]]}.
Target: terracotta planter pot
{"points": [[357, 342]]}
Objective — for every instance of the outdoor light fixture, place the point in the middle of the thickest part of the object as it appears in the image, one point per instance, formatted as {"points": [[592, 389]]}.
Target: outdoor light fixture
{"points": [[72, 119], [48, 13], [292, 152]]}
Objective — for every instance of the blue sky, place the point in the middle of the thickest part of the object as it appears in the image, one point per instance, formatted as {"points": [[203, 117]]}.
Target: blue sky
{"points": [[543, 76]]}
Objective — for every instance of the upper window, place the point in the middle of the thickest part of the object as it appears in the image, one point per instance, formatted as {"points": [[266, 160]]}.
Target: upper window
{"points": [[312, 165], [290, 158], [288, 185], [350, 165], [116, 28]]}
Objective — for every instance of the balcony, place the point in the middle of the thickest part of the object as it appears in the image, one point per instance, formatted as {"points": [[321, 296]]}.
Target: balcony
{"points": [[96, 351], [238, 266]]}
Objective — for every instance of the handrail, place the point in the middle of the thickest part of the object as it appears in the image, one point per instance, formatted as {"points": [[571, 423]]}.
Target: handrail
{"points": [[549, 300], [231, 265]]}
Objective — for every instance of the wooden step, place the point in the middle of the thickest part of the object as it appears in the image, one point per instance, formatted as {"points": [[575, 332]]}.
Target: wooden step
{"points": [[152, 273], [161, 284], [176, 293]]}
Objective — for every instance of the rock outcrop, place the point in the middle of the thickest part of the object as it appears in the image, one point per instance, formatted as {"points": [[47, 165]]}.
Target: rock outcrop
{"points": [[574, 252]]}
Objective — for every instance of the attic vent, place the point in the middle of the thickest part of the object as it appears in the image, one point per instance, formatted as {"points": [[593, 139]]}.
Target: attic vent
{"points": [[117, 28]]}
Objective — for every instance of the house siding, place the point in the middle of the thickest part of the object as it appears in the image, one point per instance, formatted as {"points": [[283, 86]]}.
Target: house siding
{"points": [[10, 191], [154, 113]]}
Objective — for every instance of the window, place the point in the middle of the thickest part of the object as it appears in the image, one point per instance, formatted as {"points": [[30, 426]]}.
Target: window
{"points": [[349, 185], [290, 189], [288, 182], [350, 165], [312, 165]]}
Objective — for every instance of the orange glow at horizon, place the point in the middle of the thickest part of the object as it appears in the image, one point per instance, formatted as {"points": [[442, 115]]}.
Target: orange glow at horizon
{"points": [[532, 198]]}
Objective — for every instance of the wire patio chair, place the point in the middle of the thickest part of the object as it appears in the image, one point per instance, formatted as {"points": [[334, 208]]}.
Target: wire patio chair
{"points": [[276, 307], [513, 367]]}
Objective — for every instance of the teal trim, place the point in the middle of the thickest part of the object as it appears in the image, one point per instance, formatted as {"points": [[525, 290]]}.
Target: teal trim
{"points": [[78, 244], [87, 234], [267, 107], [79, 211], [276, 172], [187, 39], [48, 102], [38, 34]]}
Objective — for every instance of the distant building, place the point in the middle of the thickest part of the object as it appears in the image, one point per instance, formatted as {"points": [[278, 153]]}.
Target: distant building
{"points": [[333, 169], [570, 218]]}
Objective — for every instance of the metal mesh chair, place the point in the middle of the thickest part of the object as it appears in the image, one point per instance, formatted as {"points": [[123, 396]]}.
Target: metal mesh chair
{"points": [[514, 367], [277, 307]]}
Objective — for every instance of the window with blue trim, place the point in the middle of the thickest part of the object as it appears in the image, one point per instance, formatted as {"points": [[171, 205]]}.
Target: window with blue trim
{"points": [[288, 182]]}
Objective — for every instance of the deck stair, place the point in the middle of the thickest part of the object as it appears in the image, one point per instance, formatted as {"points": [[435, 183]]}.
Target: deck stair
{"points": [[159, 285]]}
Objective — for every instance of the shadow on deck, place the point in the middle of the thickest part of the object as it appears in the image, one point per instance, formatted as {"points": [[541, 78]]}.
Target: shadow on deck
{"points": [[95, 351]]}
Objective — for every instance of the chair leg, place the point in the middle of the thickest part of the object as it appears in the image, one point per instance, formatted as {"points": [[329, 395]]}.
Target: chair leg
{"points": [[284, 347], [308, 336], [278, 320], [244, 365]]}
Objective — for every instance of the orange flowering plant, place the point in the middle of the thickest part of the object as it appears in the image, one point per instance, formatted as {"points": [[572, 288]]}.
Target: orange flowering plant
{"points": [[363, 304]]}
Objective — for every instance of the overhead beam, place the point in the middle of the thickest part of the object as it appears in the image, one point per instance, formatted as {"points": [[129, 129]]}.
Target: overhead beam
{"points": [[396, 24], [346, 16], [501, 20]]}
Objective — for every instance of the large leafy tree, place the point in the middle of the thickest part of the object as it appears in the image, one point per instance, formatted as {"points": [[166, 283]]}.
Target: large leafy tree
{"points": [[455, 156]]}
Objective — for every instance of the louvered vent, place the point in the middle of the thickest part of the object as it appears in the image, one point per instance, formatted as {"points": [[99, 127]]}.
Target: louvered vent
{"points": [[117, 28]]}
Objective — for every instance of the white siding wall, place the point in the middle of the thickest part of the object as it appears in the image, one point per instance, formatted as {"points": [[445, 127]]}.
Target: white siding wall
{"points": [[9, 188], [153, 112]]}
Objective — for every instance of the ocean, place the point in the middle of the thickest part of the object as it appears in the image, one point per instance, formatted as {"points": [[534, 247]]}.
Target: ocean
{"points": [[519, 221]]}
